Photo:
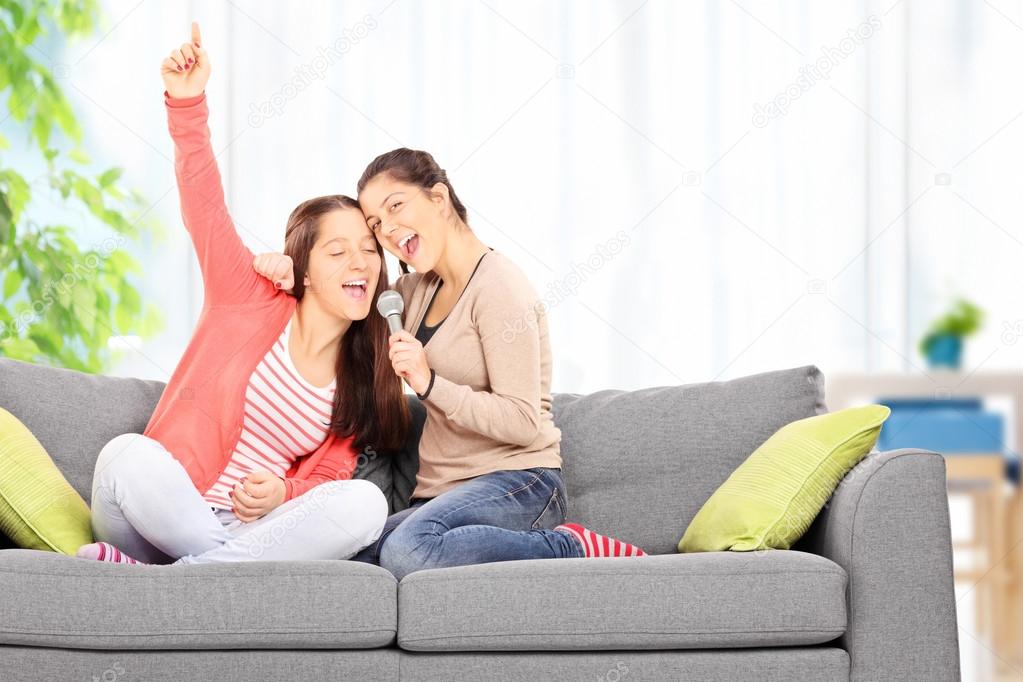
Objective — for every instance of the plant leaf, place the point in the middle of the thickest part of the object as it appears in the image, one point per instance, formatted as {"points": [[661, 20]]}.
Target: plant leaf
{"points": [[110, 177], [12, 282]]}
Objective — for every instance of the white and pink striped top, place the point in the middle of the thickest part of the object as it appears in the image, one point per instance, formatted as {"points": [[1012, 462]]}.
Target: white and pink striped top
{"points": [[285, 418]]}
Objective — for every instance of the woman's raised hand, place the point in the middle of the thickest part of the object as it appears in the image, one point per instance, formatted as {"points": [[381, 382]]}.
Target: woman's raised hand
{"points": [[187, 69]]}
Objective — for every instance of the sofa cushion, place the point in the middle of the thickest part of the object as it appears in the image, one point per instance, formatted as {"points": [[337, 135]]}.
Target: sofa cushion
{"points": [[74, 414], [638, 465], [53, 600], [813, 664], [681, 601]]}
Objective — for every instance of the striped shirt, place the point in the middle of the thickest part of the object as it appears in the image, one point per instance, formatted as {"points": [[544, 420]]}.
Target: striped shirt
{"points": [[285, 418]]}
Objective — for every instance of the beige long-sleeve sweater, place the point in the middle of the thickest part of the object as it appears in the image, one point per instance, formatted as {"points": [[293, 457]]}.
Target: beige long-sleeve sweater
{"points": [[490, 406]]}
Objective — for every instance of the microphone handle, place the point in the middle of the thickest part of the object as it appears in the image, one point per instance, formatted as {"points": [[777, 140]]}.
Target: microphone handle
{"points": [[394, 323]]}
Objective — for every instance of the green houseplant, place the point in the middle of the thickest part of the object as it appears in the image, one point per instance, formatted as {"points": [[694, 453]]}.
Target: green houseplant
{"points": [[942, 345], [61, 300]]}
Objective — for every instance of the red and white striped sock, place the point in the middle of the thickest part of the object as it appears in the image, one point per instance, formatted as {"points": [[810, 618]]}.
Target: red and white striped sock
{"points": [[597, 545], [104, 551]]}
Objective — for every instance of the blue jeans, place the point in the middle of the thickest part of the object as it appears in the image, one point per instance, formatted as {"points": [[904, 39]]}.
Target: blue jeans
{"points": [[500, 516]]}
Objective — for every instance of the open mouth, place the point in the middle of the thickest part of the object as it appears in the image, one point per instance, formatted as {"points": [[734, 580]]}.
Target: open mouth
{"points": [[356, 288], [409, 245]]}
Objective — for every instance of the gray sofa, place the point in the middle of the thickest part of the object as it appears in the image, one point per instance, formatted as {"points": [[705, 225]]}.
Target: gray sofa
{"points": [[866, 595]]}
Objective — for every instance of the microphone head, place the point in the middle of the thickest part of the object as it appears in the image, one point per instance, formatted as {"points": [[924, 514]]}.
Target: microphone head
{"points": [[390, 303]]}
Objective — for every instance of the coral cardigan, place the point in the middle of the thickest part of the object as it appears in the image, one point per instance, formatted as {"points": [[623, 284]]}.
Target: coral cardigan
{"points": [[199, 416]]}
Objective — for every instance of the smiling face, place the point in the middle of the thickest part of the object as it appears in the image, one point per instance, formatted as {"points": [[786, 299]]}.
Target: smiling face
{"points": [[409, 221], [344, 264]]}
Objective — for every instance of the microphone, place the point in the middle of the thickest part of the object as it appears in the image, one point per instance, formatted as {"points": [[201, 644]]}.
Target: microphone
{"points": [[391, 306]]}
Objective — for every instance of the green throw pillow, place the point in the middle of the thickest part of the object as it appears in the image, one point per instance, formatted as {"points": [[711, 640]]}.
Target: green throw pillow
{"points": [[774, 496], [38, 507]]}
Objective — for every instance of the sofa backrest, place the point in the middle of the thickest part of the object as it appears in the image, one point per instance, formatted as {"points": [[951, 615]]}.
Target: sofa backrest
{"points": [[639, 464], [73, 414]]}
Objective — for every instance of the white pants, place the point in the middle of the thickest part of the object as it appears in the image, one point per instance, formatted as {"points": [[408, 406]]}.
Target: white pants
{"points": [[145, 504]]}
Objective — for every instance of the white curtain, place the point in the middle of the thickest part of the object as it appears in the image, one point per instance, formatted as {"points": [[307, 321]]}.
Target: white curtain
{"points": [[699, 190]]}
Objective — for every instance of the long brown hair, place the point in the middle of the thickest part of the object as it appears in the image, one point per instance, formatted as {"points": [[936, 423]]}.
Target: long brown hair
{"points": [[414, 167], [369, 403]]}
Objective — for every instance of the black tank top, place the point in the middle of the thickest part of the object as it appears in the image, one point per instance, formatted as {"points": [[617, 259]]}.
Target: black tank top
{"points": [[425, 331]]}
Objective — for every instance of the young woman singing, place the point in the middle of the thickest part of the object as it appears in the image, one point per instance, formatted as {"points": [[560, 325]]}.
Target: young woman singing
{"points": [[249, 453], [475, 349]]}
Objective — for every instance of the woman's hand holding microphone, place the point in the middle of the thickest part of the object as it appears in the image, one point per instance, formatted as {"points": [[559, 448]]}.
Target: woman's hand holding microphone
{"points": [[409, 360]]}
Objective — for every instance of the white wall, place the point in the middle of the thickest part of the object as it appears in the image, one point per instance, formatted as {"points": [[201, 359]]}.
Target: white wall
{"points": [[746, 242]]}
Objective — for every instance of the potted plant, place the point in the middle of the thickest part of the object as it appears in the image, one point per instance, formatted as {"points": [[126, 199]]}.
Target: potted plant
{"points": [[943, 343], [61, 299]]}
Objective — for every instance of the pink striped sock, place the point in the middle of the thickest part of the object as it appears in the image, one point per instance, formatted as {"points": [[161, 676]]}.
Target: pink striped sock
{"points": [[597, 545], [104, 551]]}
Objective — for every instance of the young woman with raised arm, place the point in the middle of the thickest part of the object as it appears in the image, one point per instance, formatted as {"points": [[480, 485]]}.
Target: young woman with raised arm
{"points": [[250, 451]]}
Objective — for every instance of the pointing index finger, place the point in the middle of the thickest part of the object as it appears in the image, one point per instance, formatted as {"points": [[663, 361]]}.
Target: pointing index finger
{"points": [[196, 38]]}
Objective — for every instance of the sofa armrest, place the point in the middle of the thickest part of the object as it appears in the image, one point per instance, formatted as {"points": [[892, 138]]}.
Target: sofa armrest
{"points": [[887, 525]]}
